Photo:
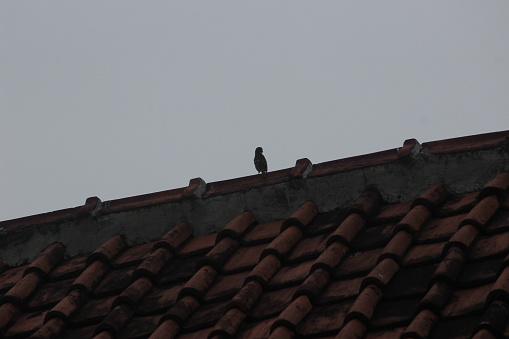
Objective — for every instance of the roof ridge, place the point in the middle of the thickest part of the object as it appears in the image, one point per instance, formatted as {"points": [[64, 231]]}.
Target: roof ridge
{"points": [[453, 259], [341, 178]]}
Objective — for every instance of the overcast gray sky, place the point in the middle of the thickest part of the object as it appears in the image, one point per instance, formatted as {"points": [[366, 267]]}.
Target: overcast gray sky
{"points": [[120, 98]]}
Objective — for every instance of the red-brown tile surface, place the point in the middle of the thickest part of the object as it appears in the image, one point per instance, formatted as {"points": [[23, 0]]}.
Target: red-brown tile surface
{"points": [[432, 267]]}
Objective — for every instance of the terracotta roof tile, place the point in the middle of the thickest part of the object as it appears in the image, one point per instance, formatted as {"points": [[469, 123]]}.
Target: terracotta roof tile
{"points": [[497, 186], [228, 324], [450, 266], [358, 263], [494, 320], [291, 274], [273, 302], [293, 314], [219, 254], [204, 333], [256, 330], [353, 329], [206, 316], [282, 332], [463, 238], [70, 268], [134, 255], [385, 334], [133, 294], [197, 246], [391, 313], [175, 237], [489, 246], [10, 277], [479, 141], [331, 257], [339, 290], [247, 296], [480, 272], [326, 222], [244, 258], [50, 329], [482, 212], [468, 301], [93, 275], [284, 242], [49, 294], [23, 288], [383, 272], [454, 328], [413, 221], [433, 197], [437, 296], [439, 229], [108, 250], [265, 269], [499, 223], [423, 254], [501, 288], [177, 270], [262, 233], [139, 327], [392, 213], [225, 287], [166, 329], [314, 283], [365, 304], [484, 334], [397, 246], [410, 282], [342, 265], [324, 320], [308, 248], [67, 306], [93, 311], [115, 319], [372, 237], [182, 310], [237, 227], [458, 204], [199, 283], [348, 229], [80, 332], [7, 312], [423, 324], [47, 260], [158, 299], [367, 204], [302, 217]]}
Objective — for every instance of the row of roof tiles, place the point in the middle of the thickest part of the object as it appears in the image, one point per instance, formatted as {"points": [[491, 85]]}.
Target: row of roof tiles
{"points": [[418, 269]]}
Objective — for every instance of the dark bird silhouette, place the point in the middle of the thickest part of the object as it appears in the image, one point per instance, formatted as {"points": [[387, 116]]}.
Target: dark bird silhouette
{"points": [[260, 162]]}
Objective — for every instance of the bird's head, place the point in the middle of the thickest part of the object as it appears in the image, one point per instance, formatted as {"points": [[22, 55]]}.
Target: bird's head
{"points": [[259, 150]]}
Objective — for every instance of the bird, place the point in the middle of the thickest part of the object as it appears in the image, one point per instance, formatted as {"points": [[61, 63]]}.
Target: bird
{"points": [[260, 162]]}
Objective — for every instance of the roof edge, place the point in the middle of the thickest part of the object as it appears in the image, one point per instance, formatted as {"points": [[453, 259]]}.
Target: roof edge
{"points": [[399, 174], [303, 168]]}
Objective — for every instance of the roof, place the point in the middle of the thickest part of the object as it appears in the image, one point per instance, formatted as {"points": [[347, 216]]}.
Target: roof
{"points": [[428, 262]]}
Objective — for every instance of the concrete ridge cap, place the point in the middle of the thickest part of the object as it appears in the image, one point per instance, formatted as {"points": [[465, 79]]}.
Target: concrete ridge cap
{"points": [[303, 170]]}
